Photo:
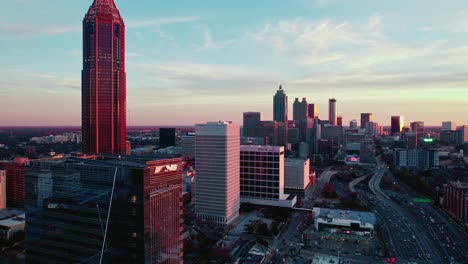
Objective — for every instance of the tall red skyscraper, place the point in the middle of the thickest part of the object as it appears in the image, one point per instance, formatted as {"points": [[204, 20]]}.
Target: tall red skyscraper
{"points": [[103, 80]]}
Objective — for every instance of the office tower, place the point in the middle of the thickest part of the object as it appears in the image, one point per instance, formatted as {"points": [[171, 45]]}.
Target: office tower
{"points": [[103, 80], [114, 209], [316, 134], [339, 121], [353, 124], [300, 109], [372, 129], [2, 189], [275, 133], [397, 124], [449, 126], [280, 106], [365, 118], [167, 137], [252, 124], [456, 200], [463, 134], [417, 128], [262, 176], [312, 111], [293, 135], [188, 145], [217, 155], [332, 111], [15, 181]]}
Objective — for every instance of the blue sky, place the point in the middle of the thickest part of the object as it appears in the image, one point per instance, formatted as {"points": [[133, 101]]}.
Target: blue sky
{"points": [[195, 61]]}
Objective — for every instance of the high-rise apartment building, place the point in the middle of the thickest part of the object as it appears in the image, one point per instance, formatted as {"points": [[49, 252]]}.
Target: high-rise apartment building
{"points": [[280, 106], [109, 208], [397, 124], [217, 161], [365, 118], [312, 111], [252, 124], [103, 80], [332, 111], [449, 126]]}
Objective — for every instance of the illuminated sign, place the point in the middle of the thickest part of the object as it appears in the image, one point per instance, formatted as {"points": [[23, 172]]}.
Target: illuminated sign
{"points": [[165, 168], [428, 140]]}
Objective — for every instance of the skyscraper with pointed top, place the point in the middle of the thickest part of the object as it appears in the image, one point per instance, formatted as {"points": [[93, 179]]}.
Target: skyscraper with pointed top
{"points": [[103, 80], [280, 106]]}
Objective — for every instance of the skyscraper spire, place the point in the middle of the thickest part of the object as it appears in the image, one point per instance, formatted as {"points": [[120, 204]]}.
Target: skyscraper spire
{"points": [[108, 3]]}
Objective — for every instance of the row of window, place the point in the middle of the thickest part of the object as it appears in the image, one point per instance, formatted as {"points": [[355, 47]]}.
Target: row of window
{"points": [[260, 189], [260, 195]]}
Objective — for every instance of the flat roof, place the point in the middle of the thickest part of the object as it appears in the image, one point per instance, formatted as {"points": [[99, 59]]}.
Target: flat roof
{"points": [[8, 213], [325, 259], [364, 217], [10, 222]]}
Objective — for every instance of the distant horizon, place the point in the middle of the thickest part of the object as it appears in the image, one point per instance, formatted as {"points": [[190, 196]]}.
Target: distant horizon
{"points": [[190, 62], [175, 126]]}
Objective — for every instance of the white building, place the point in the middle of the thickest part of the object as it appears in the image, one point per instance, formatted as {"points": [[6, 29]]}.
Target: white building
{"points": [[10, 226], [449, 126], [217, 162], [296, 174], [2, 189], [262, 176]]}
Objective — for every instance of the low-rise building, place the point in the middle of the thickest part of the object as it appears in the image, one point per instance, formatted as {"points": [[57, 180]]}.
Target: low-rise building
{"points": [[456, 200], [9, 227], [344, 222], [296, 175]]}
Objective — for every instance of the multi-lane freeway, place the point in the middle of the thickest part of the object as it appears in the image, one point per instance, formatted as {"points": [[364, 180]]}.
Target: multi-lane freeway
{"points": [[408, 237], [413, 230]]}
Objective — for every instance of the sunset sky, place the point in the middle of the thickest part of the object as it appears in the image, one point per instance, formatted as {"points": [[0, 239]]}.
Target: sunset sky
{"points": [[196, 61]]}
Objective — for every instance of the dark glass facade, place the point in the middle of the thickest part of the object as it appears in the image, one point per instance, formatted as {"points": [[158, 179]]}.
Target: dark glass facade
{"points": [[128, 210], [167, 137], [103, 80]]}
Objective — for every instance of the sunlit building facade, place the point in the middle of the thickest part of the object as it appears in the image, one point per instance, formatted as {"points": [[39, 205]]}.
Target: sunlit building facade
{"points": [[120, 210], [217, 148], [103, 80]]}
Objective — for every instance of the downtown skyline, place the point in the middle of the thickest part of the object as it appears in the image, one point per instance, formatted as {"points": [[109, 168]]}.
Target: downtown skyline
{"points": [[183, 61]]}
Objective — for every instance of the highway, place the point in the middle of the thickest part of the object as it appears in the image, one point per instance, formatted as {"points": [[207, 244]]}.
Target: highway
{"points": [[313, 193], [451, 241], [408, 237]]}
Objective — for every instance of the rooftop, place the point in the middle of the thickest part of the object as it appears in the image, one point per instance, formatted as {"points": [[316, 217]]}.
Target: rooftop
{"points": [[364, 217], [14, 221], [460, 185], [325, 259]]}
